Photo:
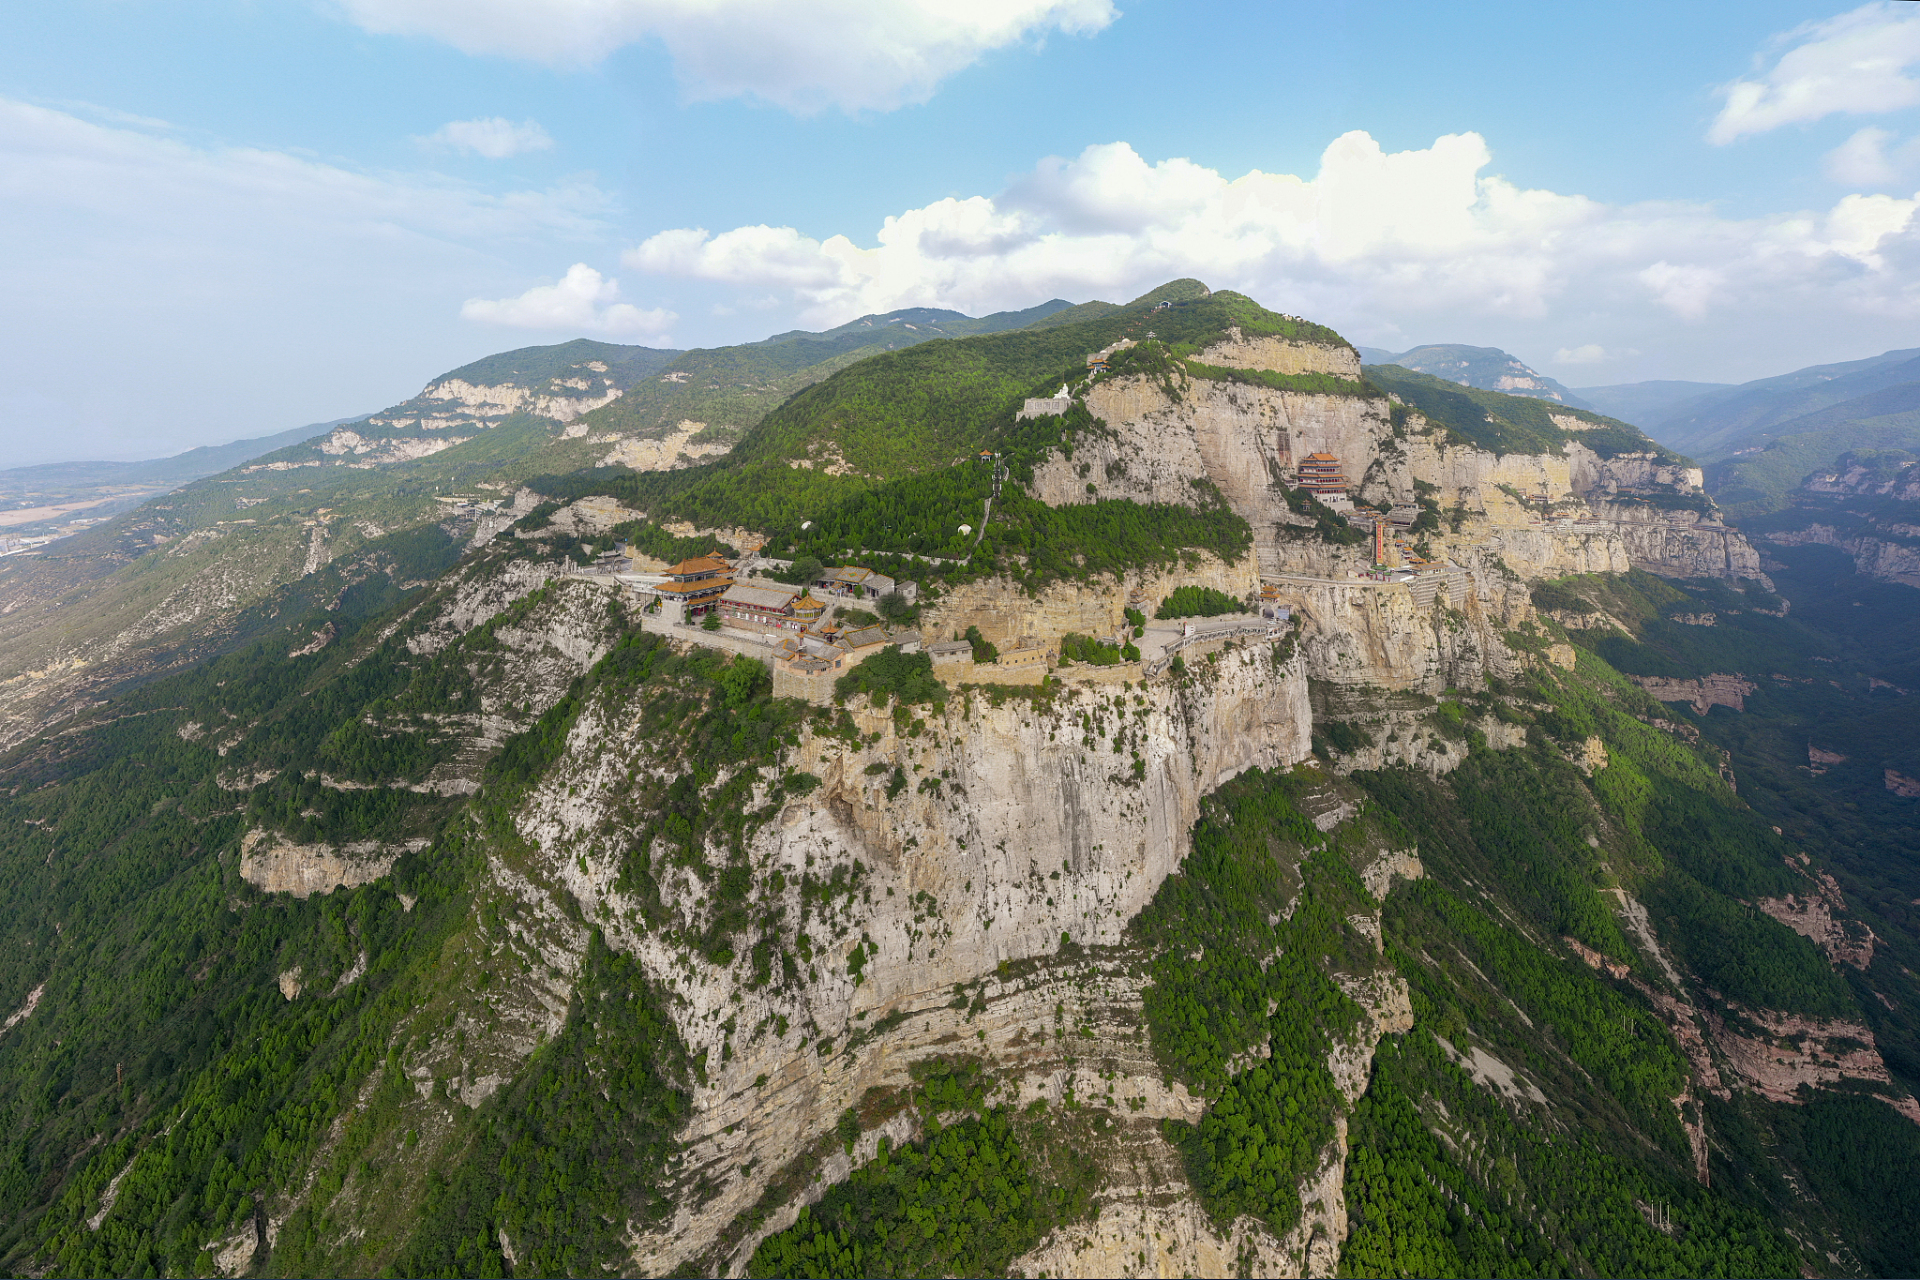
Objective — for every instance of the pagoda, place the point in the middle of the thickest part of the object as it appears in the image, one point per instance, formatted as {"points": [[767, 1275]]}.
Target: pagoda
{"points": [[1320, 473]]}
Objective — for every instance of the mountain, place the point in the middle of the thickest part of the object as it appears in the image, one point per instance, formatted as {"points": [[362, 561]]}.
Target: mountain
{"points": [[711, 397], [1761, 439], [1487, 368], [53, 477], [559, 382], [173, 580], [1757, 478], [60, 497], [1867, 504], [1722, 423], [1228, 903], [1648, 403]]}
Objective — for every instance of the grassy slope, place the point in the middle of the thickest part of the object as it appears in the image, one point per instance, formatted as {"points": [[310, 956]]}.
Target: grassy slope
{"points": [[534, 366]]}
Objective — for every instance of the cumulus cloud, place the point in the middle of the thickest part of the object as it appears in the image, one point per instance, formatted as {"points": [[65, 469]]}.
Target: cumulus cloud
{"points": [[1856, 63], [1589, 353], [1375, 240], [804, 55], [581, 301], [493, 137]]}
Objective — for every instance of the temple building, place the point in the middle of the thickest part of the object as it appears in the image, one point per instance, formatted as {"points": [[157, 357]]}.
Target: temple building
{"points": [[697, 584], [1320, 473]]}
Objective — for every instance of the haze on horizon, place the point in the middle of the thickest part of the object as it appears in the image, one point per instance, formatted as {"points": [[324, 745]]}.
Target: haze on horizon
{"points": [[372, 192]]}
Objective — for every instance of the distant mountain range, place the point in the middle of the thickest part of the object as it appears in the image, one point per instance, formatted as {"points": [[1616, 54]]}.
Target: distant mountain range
{"points": [[1644, 402], [1483, 368], [719, 392], [1760, 439], [48, 477]]}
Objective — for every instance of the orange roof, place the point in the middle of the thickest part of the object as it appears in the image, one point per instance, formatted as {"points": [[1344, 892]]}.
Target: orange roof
{"points": [[1321, 457], [698, 565], [692, 588]]}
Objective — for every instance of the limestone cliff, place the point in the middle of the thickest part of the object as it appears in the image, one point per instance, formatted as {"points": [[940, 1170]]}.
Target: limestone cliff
{"points": [[1543, 514], [1246, 439]]}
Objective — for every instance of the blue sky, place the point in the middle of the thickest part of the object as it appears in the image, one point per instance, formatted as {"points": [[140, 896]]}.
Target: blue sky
{"points": [[228, 218]]}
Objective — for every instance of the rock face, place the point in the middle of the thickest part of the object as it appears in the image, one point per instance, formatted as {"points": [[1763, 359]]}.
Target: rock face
{"points": [[1793, 1051], [1247, 439], [1890, 558], [1282, 355], [1844, 941], [676, 449], [1716, 690], [1021, 827], [274, 865], [345, 442], [1004, 613]]}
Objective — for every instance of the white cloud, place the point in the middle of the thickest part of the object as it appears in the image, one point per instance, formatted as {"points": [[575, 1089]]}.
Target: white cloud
{"points": [[582, 301], [804, 55], [1590, 353], [1374, 240], [242, 291], [493, 137], [1862, 159], [1855, 63]]}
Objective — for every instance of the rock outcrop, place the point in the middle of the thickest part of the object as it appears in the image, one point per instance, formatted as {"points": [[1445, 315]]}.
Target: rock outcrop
{"points": [[1717, 690], [273, 864]]}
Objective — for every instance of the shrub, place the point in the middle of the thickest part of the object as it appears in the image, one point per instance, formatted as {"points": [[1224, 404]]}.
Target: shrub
{"points": [[1197, 602], [983, 651], [1078, 648], [893, 675]]}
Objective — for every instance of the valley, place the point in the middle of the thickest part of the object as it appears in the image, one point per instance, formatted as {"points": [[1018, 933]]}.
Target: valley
{"points": [[1268, 814]]}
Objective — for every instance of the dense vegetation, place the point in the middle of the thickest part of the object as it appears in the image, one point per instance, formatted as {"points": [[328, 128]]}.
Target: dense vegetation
{"points": [[732, 388], [538, 366], [1197, 602], [572, 1154], [966, 1199], [892, 676], [930, 409], [1096, 653], [1243, 946], [1754, 484], [1443, 1179], [646, 538], [1510, 424]]}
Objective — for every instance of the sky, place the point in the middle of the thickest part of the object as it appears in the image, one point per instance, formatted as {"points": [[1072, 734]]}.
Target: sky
{"points": [[225, 218]]}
